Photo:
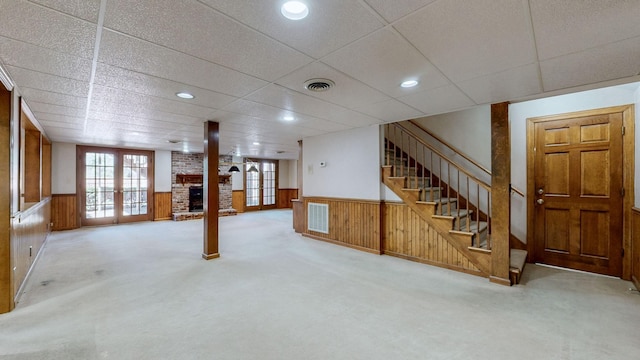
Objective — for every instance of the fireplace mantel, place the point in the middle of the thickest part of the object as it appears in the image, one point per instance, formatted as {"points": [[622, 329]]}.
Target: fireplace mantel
{"points": [[197, 178]]}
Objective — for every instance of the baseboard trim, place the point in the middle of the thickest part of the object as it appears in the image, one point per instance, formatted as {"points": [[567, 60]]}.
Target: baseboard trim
{"points": [[210, 256], [435, 263], [336, 242], [500, 281], [163, 218]]}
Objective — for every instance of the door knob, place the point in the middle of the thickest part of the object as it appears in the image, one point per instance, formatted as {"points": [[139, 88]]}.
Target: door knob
{"points": [[540, 191], [540, 201]]}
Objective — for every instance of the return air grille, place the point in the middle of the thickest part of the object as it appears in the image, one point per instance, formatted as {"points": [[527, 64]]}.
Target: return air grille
{"points": [[318, 217], [318, 85]]}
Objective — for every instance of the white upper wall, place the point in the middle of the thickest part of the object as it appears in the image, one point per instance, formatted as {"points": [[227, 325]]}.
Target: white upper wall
{"points": [[162, 171], [520, 112], [63, 168], [352, 164], [466, 130], [287, 174]]}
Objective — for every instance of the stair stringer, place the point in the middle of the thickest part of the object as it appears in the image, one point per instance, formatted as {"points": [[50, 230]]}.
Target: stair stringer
{"points": [[461, 241]]}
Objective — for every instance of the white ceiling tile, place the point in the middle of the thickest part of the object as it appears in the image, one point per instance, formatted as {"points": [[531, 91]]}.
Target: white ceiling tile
{"points": [[568, 26], [469, 39], [56, 109], [31, 57], [393, 10], [383, 60], [187, 25], [438, 101], [613, 61], [147, 85], [346, 92], [84, 9], [330, 25], [390, 110], [511, 84], [140, 56], [37, 25], [48, 97], [41, 81]]}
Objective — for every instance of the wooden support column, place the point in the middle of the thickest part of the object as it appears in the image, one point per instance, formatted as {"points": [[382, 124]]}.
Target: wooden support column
{"points": [[6, 273], [500, 193], [210, 190]]}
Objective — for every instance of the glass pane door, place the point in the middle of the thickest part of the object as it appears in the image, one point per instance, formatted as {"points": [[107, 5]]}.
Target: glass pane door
{"points": [[261, 186], [134, 186], [99, 185], [115, 185]]}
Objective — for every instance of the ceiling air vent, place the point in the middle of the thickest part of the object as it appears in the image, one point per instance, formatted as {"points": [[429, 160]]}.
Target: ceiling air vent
{"points": [[318, 85]]}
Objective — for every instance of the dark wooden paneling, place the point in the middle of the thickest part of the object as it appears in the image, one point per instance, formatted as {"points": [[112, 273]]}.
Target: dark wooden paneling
{"points": [[237, 200], [6, 280], [64, 213], [635, 246], [32, 179], [298, 215], [407, 236], [46, 168], [162, 206], [285, 196], [353, 223], [29, 230]]}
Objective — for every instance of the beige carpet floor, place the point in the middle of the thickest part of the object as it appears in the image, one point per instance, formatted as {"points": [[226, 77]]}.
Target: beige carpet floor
{"points": [[142, 291]]}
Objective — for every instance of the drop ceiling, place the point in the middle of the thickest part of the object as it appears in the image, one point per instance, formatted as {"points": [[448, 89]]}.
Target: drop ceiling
{"points": [[106, 71]]}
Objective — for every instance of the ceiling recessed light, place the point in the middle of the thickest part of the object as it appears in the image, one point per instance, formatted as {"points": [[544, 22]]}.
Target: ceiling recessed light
{"points": [[256, 143], [288, 118], [409, 83], [174, 141], [185, 95], [294, 10]]}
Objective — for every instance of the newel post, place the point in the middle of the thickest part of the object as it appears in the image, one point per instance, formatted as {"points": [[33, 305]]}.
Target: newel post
{"points": [[211, 194], [500, 193]]}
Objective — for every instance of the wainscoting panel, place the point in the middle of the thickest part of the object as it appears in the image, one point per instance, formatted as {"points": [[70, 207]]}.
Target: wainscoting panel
{"points": [[29, 230], [162, 206], [237, 200], [285, 196], [64, 214], [635, 247], [352, 223], [406, 235]]}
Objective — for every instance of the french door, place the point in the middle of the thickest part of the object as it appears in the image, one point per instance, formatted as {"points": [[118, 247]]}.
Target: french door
{"points": [[114, 185], [261, 184]]}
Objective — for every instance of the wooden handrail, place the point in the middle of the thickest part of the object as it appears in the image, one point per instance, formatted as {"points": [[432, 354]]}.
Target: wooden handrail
{"points": [[456, 150], [515, 190], [456, 165]]}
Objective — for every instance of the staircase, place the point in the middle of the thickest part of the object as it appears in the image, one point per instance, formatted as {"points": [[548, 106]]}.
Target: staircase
{"points": [[452, 201]]}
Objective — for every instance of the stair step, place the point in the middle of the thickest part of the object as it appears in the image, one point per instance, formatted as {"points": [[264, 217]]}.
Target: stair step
{"points": [[517, 260]]}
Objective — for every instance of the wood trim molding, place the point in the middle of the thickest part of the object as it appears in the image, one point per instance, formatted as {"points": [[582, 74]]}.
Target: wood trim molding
{"points": [[635, 247], [5, 79]]}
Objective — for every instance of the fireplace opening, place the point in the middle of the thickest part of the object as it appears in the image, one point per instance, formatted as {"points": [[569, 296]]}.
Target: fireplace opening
{"points": [[195, 198]]}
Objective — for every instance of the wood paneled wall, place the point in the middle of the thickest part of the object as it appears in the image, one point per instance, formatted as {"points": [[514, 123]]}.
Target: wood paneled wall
{"points": [[405, 234], [162, 206], [635, 247], [29, 230], [6, 280], [353, 223], [298, 215], [64, 212], [285, 196], [237, 200]]}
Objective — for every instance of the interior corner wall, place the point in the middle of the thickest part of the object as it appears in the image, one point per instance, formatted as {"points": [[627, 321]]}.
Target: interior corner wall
{"points": [[636, 175], [283, 174], [520, 112], [351, 161], [63, 168], [162, 171]]}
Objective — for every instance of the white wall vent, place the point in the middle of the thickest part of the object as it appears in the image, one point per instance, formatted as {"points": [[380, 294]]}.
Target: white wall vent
{"points": [[318, 217]]}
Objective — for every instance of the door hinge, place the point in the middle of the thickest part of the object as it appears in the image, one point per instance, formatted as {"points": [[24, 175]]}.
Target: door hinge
{"points": [[622, 192], [623, 130], [622, 252]]}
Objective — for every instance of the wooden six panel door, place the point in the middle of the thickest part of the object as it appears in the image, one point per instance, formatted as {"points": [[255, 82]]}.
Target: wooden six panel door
{"points": [[578, 215]]}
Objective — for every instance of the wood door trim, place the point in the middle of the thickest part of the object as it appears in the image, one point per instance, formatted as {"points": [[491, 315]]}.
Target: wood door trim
{"points": [[628, 160]]}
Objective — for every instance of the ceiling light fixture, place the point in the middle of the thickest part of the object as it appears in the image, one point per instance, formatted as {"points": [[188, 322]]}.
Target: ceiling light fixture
{"points": [[185, 95], [234, 169], [294, 10], [256, 143], [288, 118], [409, 83]]}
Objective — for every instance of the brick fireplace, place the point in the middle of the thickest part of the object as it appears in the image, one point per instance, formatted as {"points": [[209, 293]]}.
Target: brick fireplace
{"points": [[192, 164]]}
